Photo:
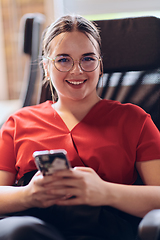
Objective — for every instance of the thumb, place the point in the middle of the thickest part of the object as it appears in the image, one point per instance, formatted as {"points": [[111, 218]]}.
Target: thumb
{"points": [[83, 169]]}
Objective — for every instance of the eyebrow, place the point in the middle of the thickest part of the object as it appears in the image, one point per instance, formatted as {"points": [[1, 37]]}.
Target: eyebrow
{"points": [[87, 54], [83, 55], [62, 54]]}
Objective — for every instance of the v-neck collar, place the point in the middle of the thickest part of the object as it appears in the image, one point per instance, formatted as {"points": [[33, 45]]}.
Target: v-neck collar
{"points": [[83, 120]]}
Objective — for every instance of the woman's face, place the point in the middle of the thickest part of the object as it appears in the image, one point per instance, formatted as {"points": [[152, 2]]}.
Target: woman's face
{"points": [[75, 84]]}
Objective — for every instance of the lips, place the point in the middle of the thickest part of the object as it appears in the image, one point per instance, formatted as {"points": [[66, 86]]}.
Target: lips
{"points": [[75, 82]]}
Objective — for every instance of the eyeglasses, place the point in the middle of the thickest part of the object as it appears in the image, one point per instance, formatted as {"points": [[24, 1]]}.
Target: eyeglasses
{"points": [[65, 63]]}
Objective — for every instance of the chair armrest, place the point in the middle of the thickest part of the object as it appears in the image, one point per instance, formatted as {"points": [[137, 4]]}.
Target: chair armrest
{"points": [[149, 227]]}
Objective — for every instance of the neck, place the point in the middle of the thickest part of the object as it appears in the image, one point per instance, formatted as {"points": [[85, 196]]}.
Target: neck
{"points": [[76, 107]]}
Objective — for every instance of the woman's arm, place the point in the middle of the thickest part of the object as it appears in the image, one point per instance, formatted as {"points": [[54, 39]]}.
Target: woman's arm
{"points": [[139, 200], [149, 172], [89, 189], [7, 178], [11, 198], [86, 187], [14, 199]]}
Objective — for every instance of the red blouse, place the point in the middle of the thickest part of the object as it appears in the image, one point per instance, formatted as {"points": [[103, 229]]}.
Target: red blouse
{"points": [[110, 139]]}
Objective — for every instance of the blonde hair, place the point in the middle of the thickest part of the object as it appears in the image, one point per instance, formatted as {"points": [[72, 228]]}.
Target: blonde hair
{"points": [[69, 23]]}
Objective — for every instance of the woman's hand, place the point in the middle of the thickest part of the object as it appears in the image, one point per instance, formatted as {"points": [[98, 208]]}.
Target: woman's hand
{"points": [[80, 185], [38, 192], [77, 186]]}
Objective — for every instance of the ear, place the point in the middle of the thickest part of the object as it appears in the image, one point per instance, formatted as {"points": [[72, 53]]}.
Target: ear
{"points": [[100, 73], [101, 69], [45, 66]]}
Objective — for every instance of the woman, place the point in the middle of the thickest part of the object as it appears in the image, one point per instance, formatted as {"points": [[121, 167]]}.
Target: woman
{"points": [[96, 198]]}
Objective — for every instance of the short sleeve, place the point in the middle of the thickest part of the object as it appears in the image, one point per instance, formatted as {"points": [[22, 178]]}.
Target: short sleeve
{"points": [[148, 147], [7, 156]]}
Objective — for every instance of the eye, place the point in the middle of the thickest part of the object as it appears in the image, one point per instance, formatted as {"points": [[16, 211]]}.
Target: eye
{"points": [[89, 59], [62, 59]]}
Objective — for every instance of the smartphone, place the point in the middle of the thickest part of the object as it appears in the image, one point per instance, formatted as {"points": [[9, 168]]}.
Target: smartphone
{"points": [[50, 161]]}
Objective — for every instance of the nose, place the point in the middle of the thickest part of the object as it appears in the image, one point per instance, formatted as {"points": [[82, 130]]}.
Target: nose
{"points": [[76, 69]]}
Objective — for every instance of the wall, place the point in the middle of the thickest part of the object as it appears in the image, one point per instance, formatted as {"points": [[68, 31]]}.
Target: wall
{"points": [[3, 77], [12, 11], [89, 7]]}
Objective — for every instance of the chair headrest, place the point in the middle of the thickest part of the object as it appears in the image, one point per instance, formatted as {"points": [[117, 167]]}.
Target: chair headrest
{"points": [[28, 24], [130, 44]]}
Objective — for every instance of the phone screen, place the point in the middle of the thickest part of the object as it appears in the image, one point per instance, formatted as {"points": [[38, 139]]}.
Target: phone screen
{"points": [[49, 161]]}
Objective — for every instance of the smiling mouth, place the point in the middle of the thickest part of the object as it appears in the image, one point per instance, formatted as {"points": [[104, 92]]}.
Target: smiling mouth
{"points": [[76, 82]]}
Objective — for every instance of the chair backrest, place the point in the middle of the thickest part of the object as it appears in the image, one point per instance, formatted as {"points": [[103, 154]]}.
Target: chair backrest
{"points": [[131, 58], [31, 27]]}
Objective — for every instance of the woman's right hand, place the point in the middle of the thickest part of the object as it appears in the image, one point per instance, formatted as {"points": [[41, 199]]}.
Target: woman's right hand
{"points": [[37, 191]]}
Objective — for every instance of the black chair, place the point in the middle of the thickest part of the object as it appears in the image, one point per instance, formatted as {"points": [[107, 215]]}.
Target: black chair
{"points": [[149, 227], [131, 57], [31, 27]]}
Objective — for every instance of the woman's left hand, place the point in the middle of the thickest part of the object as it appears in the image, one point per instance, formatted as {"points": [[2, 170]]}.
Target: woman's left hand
{"points": [[80, 185]]}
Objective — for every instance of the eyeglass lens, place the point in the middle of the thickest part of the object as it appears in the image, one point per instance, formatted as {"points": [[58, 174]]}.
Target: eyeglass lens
{"points": [[65, 63]]}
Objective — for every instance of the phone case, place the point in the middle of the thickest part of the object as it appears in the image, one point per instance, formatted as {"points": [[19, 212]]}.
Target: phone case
{"points": [[49, 161]]}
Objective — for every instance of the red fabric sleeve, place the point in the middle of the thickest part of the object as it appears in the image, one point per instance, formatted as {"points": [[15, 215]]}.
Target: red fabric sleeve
{"points": [[149, 142], [7, 156]]}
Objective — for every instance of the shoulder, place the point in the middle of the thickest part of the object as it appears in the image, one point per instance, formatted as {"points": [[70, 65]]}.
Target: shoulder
{"points": [[35, 108], [122, 108], [38, 109], [29, 114], [128, 113]]}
